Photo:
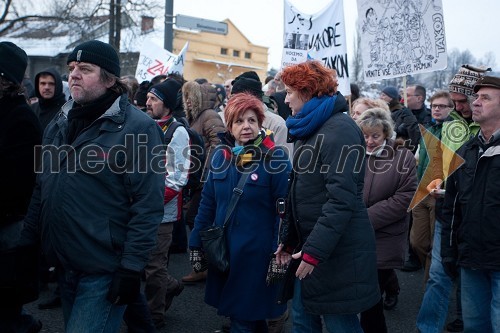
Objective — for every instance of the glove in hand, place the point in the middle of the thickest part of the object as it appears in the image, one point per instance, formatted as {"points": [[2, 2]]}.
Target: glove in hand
{"points": [[198, 261], [275, 271], [125, 287], [450, 267]]}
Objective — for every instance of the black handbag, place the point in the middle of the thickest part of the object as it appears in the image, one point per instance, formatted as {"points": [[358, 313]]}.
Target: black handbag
{"points": [[285, 290], [213, 238]]}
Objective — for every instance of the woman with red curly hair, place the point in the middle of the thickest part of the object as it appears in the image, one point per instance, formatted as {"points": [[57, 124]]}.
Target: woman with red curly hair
{"points": [[332, 239], [245, 294]]}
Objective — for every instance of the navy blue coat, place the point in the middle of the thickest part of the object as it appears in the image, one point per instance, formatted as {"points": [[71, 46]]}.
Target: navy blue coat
{"points": [[252, 236]]}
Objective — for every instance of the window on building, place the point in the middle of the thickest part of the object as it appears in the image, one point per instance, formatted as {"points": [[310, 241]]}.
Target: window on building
{"points": [[223, 51], [248, 55], [236, 53]]}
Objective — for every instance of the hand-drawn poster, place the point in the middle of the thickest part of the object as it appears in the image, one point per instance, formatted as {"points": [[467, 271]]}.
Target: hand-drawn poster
{"points": [[401, 37], [155, 60], [319, 36]]}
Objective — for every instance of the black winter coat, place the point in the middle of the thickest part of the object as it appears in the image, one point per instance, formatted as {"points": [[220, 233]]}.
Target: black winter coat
{"points": [[20, 131], [331, 220], [471, 210]]}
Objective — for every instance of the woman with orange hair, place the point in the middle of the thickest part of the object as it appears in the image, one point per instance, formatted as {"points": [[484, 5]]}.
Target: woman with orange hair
{"points": [[243, 294], [331, 235]]}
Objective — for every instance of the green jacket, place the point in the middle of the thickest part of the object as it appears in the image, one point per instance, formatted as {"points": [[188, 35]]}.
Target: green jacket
{"points": [[454, 134]]}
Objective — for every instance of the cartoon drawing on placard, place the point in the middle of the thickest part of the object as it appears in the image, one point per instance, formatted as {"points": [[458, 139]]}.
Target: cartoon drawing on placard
{"points": [[402, 36]]}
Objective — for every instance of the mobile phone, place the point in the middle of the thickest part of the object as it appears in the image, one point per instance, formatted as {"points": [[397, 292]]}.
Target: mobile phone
{"points": [[439, 191]]}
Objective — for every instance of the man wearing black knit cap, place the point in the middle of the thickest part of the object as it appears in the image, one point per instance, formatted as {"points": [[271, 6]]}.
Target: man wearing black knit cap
{"points": [[98, 200], [20, 132], [161, 287]]}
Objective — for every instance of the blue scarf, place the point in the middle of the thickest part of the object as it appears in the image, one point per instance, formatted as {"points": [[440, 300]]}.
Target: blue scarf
{"points": [[314, 113]]}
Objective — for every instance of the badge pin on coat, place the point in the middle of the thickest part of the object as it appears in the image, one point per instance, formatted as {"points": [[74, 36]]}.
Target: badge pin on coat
{"points": [[254, 177]]}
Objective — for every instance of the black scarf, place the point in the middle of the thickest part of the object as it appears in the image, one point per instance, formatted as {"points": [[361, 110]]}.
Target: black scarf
{"points": [[81, 116]]}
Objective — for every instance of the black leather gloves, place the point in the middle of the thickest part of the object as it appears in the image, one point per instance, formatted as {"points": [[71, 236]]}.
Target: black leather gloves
{"points": [[125, 287], [198, 261]]}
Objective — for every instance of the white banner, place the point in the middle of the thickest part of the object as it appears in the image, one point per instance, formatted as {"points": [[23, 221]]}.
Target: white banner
{"points": [[399, 38], [155, 60], [319, 36]]}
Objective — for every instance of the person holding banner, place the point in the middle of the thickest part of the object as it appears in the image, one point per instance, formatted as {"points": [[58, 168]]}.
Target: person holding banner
{"points": [[331, 235], [405, 123]]}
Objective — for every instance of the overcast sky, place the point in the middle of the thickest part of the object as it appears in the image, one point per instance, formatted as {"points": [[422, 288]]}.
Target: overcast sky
{"points": [[468, 24]]}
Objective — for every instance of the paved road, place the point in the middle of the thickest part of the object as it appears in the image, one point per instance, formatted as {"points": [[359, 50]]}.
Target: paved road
{"points": [[189, 314]]}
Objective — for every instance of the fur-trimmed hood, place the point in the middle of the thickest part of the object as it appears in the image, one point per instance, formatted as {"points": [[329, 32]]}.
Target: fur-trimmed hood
{"points": [[202, 97]]}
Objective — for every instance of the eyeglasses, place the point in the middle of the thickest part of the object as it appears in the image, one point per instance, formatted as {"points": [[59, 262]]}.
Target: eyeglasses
{"points": [[412, 95], [440, 106]]}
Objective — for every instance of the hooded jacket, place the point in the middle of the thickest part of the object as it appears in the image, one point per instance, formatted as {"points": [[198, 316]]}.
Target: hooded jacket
{"points": [[201, 115], [46, 109]]}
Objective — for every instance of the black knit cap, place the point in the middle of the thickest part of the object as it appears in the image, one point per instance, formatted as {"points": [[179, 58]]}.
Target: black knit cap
{"points": [[167, 92], [97, 53], [248, 75], [251, 86], [13, 62]]}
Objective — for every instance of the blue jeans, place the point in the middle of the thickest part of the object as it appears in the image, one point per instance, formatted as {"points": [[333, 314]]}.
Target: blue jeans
{"points": [[434, 308], [481, 300], [84, 304], [309, 323]]}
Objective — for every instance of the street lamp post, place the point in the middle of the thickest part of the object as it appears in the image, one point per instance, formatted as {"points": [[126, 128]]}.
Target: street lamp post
{"points": [[169, 25]]}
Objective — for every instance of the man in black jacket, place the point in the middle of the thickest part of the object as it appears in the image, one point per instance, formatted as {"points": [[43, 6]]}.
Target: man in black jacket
{"points": [[49, 90], [415, 99], [470, 238], [19, 133]]}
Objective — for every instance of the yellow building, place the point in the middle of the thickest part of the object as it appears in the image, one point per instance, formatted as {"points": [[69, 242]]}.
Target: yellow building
{"points": [[219, 57]]}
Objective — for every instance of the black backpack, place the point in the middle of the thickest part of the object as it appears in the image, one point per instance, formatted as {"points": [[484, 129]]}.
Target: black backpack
{"points": [[197, 150]]}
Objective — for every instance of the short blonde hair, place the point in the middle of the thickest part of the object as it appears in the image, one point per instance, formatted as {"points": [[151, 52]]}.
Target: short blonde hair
{"points": [[370, 103], [377, 117]]}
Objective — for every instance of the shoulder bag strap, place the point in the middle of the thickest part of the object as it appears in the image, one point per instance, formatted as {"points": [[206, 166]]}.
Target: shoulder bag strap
{"points": [[237, 192]]}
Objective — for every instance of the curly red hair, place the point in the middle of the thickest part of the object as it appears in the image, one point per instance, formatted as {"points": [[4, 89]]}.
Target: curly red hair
{"points": [[310, 79], [239, 103]]}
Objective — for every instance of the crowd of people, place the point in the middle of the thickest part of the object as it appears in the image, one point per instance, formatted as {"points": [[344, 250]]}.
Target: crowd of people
{"points": [[321, 198]]}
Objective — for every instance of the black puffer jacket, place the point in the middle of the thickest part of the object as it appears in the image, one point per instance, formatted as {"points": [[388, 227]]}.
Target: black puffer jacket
{"points": [[326, 197]]}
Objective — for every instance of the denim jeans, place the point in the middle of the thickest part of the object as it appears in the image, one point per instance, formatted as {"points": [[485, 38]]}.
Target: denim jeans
{"points": [[84, 304], [481, 300], [433, 311], [304, 322]]}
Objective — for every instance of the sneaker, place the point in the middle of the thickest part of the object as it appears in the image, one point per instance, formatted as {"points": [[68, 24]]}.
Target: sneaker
{"points": [[169, 296], [455, 326], [194, 277]]}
